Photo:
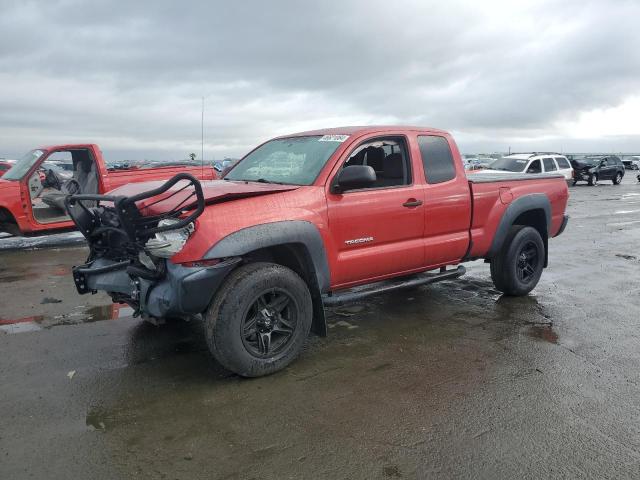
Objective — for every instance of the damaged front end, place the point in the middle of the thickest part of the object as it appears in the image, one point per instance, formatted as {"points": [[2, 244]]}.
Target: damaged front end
{"points": [[129, 251]]}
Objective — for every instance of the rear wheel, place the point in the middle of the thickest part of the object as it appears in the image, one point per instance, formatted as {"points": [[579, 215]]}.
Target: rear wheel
{"points": [[617, 179], [518, 266], [593, 180], [259, 320]]}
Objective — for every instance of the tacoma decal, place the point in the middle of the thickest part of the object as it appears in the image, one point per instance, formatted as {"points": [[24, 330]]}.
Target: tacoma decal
{"points": [[355, 241]]}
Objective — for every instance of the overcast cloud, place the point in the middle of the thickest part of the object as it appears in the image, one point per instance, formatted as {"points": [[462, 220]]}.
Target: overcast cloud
{"points": [[130, 75]]}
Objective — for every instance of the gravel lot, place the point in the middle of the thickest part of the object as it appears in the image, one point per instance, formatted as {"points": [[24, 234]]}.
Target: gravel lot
{"points": [[444, 381]]}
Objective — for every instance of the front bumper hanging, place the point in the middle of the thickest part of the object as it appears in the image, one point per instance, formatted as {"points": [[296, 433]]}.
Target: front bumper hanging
{"points": [[181, 291]]}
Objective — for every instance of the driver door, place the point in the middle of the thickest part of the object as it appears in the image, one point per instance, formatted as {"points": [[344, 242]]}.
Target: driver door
{"points": [[378, 230], [607, 169]]}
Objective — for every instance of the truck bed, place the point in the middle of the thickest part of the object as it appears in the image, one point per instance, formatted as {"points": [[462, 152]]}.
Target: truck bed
{"points": [[493, 193]]}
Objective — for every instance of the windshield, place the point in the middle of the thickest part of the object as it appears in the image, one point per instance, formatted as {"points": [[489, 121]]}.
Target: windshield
{"points": [[295, 160], [22, 166], [509, 164]]}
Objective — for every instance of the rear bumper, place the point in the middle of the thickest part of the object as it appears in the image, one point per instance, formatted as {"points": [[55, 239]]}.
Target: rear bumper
{"points": [[182, 291]]}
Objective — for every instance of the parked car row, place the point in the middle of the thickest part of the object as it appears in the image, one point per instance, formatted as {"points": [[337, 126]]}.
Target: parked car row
{"points": [[632, 162], [532, 162], [574, 168]]}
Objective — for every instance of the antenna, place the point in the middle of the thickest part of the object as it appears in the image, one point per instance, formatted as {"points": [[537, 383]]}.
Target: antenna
{"points": [[202, 138]]}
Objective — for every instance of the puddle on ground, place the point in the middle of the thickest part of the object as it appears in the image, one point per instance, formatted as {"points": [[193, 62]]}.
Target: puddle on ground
{"points": [[59, 270], [81, 314], [543, 332]]}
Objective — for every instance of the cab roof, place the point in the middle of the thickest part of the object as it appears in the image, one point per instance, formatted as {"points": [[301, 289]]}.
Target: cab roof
{"points": [[362, 130]]}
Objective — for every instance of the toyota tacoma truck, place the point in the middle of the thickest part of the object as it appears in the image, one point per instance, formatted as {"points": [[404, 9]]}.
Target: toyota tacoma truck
{"points": [[310, 220], [33, 189]]}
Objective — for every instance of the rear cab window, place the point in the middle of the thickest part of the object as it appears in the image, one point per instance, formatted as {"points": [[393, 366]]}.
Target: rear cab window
{"points": [[437, 159]]}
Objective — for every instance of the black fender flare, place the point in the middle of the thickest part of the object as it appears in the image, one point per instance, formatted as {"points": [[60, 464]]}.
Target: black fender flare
{"points": [[533, 201], [273, 234]]}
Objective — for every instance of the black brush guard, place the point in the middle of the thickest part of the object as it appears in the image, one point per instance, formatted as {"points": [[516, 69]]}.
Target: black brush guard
{"points": [[136, 226], [117, 233]]}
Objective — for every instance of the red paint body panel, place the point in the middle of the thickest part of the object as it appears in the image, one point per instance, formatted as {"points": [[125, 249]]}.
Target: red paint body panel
{"points": [[398, 240], [14, 195], [215, 191]]}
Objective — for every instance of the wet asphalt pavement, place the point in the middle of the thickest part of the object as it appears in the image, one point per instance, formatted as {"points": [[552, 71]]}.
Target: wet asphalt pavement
{"points": [[444, 381]]}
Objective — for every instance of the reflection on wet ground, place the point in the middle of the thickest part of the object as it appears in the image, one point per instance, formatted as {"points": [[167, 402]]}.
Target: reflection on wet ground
{"points": [[543, 332], [81, 314]]}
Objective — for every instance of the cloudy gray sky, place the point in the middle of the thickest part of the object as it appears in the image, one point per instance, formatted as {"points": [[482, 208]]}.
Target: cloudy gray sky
{"points": [[130, 75]]}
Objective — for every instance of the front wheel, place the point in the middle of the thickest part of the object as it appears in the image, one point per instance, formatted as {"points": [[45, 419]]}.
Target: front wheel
{"points": [[258, 322], [617, 179], [517, 268], [593, 180]]}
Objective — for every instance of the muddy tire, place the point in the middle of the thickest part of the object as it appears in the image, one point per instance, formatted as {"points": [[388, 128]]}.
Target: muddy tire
{"points": [[593, 180], [259, 320], [617, 179], [518, 266]]}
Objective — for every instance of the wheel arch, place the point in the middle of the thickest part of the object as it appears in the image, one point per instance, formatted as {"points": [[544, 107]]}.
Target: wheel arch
{"points": [[296, 244], [533, 210], [8, 222]]}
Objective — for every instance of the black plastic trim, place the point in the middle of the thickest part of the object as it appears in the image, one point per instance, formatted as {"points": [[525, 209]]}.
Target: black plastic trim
{"points": [[273, 234], [534, 201], [565, 220]]}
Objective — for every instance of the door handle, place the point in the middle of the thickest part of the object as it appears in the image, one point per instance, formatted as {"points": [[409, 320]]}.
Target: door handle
{"points": [[412, 203]]}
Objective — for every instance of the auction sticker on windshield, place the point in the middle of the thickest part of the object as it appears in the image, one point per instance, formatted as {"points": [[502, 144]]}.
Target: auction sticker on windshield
{"points": [[333, 138]]}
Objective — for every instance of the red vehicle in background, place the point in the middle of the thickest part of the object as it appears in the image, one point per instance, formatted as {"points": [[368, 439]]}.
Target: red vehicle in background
{"points": [[302, 220], [33, 189], [4, 166]]}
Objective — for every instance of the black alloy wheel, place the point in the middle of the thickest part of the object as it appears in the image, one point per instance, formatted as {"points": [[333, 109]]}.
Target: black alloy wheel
{"points": [[269, 324], [528, 261], [259, 319]]}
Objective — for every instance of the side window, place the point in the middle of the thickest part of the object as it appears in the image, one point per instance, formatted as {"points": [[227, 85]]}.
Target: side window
{"points": [[436, 158], [549, 165], [535, 167], [611, 161], [388, 157], [562, 162], [61, 160]]}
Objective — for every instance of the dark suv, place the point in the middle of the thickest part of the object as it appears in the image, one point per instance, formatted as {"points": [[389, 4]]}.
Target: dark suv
{"points": [[592, 169]]}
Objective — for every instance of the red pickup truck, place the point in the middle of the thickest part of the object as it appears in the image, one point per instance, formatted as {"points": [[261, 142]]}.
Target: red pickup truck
{"points": [[33, 189], [302, 220]]}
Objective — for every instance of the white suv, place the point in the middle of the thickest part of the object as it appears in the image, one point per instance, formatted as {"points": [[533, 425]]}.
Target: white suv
{"points": [[535, 162]]}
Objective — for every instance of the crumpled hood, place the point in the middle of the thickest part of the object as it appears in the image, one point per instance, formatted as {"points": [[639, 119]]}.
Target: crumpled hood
{"points": [[215, 191], [580, 166]]}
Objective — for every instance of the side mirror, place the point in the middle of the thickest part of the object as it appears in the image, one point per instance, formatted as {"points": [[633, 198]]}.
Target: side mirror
{"points": [[354, 176]]}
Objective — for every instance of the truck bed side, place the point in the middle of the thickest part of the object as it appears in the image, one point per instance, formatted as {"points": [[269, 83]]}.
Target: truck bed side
{"points": [[493, 195], [118, 178]]}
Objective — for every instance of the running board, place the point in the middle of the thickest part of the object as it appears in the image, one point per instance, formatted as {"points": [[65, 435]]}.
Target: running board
{"points": [[358, 293]]}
